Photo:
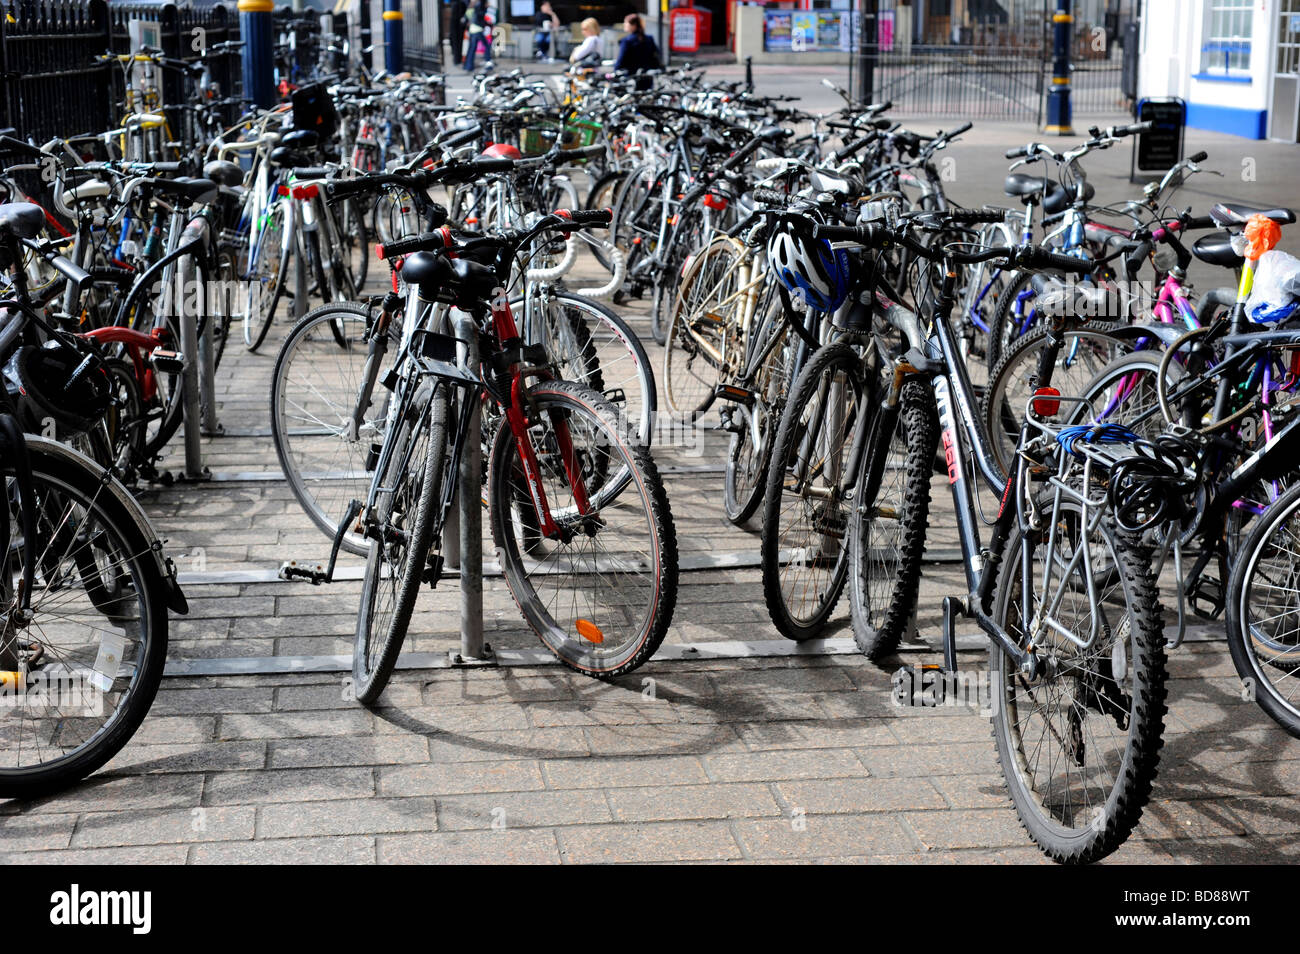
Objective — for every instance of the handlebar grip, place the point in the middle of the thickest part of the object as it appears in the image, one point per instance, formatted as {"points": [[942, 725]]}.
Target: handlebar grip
{"points": [[589, 216], [71, 270], [1017, 152], [425, 242], [1041, 259], [1134, 129], [342, 188], [578, 155], [1200, 222], [861, 234], [964, 127], [855, 146], [1134, 259], [974, 216], [460, 138], [770, 196], [168, 168], [1199, 157], [492, 164]]}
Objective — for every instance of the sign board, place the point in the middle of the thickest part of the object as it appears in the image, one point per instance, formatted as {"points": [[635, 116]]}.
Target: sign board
{"points": [[1162, 146], [684, 31], [885, 31]]}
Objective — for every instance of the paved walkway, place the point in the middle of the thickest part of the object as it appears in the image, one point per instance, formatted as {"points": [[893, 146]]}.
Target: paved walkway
{"points": [[773, 758]]}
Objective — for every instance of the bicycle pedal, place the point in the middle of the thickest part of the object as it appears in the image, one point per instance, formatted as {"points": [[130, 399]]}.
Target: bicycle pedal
{"points": [[1206, 597], [952, 607], [734, 392], [290, 571], [166, 361], [432, 570]]}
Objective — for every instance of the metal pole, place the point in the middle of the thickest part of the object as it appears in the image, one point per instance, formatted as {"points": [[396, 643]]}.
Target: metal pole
{"points": [[1059, 112], [207, 360], [471, 509], [393, 36], [868, 48], [256, 28], [663, 25], [189, 321]]}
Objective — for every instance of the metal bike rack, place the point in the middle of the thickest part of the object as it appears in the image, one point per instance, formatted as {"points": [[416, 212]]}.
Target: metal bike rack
{"points": [[190, 372], [469, 510]]}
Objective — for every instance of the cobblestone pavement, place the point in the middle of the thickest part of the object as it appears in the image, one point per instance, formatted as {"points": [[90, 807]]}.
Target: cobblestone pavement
{"points": [[693, 758]]}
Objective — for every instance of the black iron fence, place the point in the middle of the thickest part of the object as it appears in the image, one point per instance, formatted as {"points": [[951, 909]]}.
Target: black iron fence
{"points": [[52, 82]]}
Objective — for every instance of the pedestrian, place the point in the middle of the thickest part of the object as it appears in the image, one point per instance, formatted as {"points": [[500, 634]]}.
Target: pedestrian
{"points": [[457, 30], [479, 23], [637, 51], [547, 24], [587, 53]]}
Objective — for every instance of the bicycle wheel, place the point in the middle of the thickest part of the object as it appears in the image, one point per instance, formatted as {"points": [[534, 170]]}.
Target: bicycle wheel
{"points": [[701, 349], [807, 504], [686, 239], [1263, 610], [603, 194], [601, 595], [355, 241], [594, 347], [887, 533], [753, 427], [408, 505], [1013, 316], [1011, 383], [314, 391], [1079, 743], [79, 676], [268, 268]]}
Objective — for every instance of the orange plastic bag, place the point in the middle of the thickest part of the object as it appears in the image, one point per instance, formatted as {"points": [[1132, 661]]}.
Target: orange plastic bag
{"points": [[1262, 233]]}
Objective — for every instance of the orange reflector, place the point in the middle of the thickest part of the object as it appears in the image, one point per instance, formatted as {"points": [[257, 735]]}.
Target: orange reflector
{"points": [[589, 631]]}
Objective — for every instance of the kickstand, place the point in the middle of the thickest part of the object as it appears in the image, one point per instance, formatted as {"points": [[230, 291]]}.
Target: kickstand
{"points": [[292, 571]]}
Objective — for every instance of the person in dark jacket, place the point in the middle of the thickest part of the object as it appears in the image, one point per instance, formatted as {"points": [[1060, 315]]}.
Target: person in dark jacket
{"points": [[457, 30], [637, 51]]}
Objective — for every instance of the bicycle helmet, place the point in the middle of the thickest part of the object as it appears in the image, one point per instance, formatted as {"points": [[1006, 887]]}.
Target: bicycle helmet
{"points": [[810, 269], [37, 380]]}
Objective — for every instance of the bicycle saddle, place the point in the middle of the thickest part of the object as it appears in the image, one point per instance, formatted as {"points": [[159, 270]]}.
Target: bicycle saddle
{"points": [[433, 274], [1216, 249], [21, 220], [1234, 213], [301, 139], [1029, 187], [286, 157], [223, 173], [194, 190]]}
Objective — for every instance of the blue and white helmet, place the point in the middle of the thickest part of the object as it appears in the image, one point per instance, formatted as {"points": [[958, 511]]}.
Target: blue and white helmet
{"points": [[810, 269]]}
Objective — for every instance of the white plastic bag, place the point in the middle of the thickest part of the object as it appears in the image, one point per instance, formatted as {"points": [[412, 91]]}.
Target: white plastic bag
{"points": [[1276, 290]]}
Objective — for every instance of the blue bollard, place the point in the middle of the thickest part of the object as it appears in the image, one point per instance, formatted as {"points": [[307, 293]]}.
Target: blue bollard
{"points": [[256, 30], [1058, 97], [393, 36]]}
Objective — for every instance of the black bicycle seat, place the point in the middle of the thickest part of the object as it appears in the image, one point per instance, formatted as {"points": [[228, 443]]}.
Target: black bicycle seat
{"points": [[21, 220], [194, 190], [223, 173], [1215, 248], [284, 157], [1028, 187], [1234, 213], [301, 139]]}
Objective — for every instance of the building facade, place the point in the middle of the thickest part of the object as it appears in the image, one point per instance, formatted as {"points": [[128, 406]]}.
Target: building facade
{"points": [[1236, 63]]}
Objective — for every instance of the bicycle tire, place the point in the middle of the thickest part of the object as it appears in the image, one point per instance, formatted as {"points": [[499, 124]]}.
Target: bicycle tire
{"points": [[372, 665], [1091, 828], [882, 598], [66, 480], [825, 514], [635, 610], [257, 325]]}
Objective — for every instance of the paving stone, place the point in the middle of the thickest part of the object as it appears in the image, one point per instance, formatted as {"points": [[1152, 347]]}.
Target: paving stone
{"points": [[104, 829], [511, 846], [467, 778], [859, 795], [523, 810], [613, 773], [966, 828], [681, 841], [812, 836], [280, 785], [147, 855], [365, 750], [352, 816], [676, 802], [288, 851], [774, 766]]}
